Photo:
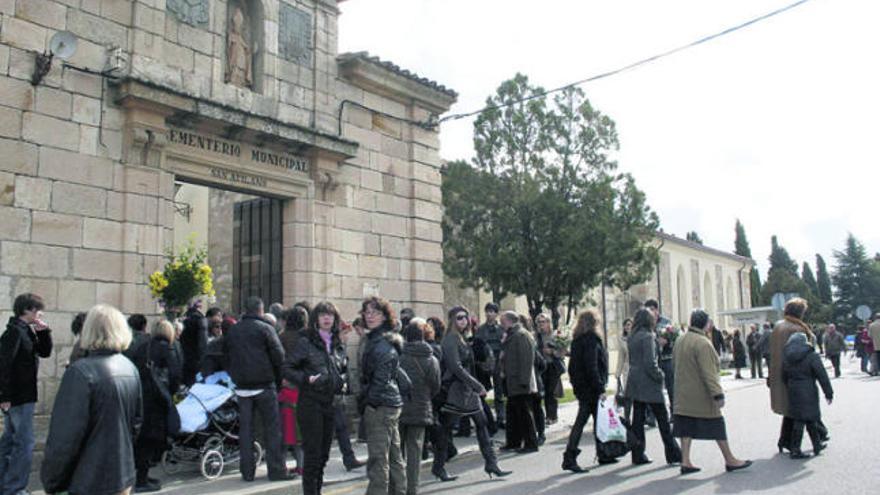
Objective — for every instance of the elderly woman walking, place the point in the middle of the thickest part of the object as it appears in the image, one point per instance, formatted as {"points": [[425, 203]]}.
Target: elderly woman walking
{"points": [[802, 368], [644, 386], [98, 414], [792, 323], [698, 394]]}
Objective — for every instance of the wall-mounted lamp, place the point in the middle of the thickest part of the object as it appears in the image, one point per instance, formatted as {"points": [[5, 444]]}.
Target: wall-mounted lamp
{"points": [[62, 45]]}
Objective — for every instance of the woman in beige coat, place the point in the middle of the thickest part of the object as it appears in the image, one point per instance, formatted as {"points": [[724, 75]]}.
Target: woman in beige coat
{"points": [[698, 394]]}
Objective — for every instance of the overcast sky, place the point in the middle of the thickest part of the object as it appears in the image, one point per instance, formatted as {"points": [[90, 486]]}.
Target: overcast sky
{"points": [[775, 124]]}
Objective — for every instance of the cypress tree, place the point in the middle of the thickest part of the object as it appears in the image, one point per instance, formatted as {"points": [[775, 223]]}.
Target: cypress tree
{"points": [[823, 280]]}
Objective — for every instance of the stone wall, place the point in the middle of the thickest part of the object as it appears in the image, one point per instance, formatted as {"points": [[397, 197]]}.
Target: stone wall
{"points": [[87, 190]]}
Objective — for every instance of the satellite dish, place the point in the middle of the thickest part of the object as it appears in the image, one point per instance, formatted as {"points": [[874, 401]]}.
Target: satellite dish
{"points": [[62, 45]]}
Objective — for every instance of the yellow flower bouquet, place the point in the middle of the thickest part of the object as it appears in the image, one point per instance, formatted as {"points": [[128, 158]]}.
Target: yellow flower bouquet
{"points": [[185, 276]]}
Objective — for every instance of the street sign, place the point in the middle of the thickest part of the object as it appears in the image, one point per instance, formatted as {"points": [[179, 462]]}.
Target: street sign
{"points": [[863, 312]]}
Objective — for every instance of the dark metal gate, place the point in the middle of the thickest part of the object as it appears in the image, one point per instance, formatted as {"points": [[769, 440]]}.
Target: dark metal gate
{"points": [[256, 252]]}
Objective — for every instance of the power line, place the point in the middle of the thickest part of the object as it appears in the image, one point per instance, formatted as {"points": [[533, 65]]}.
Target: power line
{"points": [[633, 65]]}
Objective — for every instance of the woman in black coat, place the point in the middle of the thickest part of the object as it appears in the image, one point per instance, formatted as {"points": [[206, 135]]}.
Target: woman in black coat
{"points": [[588, 370], [802, 368], [315, 366], [160, 415], [739, 354]]}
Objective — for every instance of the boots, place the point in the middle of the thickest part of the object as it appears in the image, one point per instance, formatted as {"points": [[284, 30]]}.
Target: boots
{"points": [[569, 462]]}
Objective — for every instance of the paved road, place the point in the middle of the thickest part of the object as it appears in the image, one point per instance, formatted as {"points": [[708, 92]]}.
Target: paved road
{"points": [[848, 466]]}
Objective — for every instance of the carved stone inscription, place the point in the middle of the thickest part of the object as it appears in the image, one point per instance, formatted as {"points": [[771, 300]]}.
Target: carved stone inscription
{"points": [[237, 153], [295, 35], [192, 12]]}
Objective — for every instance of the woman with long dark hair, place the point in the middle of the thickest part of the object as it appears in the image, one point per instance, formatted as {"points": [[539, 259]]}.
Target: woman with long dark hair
{"points": [[463, 393], [645, 387], [316, 367], [588, 370]]}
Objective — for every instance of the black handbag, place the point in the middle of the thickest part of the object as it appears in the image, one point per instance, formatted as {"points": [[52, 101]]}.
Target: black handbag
{"points": [[606, 451]]}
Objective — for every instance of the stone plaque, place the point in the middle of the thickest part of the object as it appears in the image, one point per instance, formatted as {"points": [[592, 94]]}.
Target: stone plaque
{"points": [[295, 35], [192, 12]]}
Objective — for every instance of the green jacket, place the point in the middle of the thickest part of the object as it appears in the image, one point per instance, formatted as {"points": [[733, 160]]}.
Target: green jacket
{"points": [[518, 357], [697, 382]]}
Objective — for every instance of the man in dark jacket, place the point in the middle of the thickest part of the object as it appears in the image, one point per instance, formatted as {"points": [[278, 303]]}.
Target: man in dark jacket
{"points": [[518, 365], [834, 346], [491, 333], [25, 340], [138, 325], [193, 342], [254, 356]]}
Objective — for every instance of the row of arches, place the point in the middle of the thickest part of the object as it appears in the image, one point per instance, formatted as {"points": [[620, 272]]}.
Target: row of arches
{"points": [[707, 293]]}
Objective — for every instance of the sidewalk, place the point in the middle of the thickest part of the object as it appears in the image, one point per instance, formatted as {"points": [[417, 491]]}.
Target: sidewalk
{"points": [[190, 482]]}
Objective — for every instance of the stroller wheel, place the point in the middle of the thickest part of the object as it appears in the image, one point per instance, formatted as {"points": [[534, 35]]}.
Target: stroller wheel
{"points": [[258, 454], [212, 464], [170, 463]]}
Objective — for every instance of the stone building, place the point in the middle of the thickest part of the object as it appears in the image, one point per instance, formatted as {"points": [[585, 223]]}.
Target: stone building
{"points": [[316, 174]]}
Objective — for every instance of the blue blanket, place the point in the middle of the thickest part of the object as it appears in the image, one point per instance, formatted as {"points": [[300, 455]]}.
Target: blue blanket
{"points": [[204, 398]]}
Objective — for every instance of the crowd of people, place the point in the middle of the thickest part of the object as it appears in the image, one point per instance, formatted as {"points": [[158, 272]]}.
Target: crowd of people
{"points": [[417, 383]]}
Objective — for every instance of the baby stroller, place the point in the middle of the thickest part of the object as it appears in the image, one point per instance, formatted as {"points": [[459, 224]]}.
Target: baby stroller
{"points": [[209, 425]]}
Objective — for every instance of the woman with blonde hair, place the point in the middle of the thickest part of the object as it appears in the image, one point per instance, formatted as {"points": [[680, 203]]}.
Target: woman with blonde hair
{"points": [[101, 398], [160, 373], [588, 371]]}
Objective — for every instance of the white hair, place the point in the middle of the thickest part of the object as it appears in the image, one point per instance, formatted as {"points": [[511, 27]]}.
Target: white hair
{"points": [[105, 329]]}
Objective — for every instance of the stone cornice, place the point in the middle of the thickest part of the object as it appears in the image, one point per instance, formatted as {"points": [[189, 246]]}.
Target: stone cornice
{"points": [[259, 127], [664, 237], [389, 80]]}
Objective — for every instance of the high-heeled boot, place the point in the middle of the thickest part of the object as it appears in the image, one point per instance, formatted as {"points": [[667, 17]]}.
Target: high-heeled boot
{"points": [[569, 461]]}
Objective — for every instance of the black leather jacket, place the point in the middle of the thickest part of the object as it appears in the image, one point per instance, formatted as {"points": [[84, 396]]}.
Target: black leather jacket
{"points": [[309, 357], [381, 375], [194, 343], [96, 418], [253, 354]]}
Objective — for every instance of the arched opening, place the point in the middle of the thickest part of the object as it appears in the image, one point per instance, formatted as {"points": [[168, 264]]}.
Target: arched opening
{"points": [[708, 296], [682, 294]]}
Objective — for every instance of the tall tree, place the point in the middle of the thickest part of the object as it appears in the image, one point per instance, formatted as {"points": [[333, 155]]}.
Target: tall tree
{"points": [[542, 212], [741, 247], [809, 279], [857, 280], [823, 280], [783, 274], [693, 236]]}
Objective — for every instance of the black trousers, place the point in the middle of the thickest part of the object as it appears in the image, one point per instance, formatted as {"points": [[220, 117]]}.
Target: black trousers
{"points": [[672, 451], [316, 423], [586, 408], [835, 361], [144, 453], [521, 430], [669, 380], [757, 365], [444, 436], [343, 437], [538, 413], [464, 425], [797, 434], [265, 406], [551, 403]]}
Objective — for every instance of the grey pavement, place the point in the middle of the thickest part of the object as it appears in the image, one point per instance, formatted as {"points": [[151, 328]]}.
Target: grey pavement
{"points": [[846, 467]]}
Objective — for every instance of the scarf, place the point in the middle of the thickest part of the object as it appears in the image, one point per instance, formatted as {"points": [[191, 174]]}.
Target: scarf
{"points": [[806, 328]]}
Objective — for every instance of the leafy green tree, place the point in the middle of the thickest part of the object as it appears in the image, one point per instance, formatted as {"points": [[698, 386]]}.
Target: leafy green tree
{"points": [[818, 312], [856, 279], [542, 212], [693, 236], [823, 280], [741, 247], [783, 274]]}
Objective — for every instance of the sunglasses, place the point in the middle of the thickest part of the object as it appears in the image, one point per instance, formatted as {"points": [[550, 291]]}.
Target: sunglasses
{"points": [[461, 317]]}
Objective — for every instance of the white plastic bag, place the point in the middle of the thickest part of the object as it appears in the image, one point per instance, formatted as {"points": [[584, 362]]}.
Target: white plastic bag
{"points": [[608, 425]]}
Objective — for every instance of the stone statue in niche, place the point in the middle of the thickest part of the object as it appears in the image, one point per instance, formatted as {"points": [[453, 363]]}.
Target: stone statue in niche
{"points": [[239, 53]]}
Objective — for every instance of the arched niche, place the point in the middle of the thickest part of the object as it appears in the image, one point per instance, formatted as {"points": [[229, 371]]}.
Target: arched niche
{"points": [[245, 44], [709, 299], [682, 294]]}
